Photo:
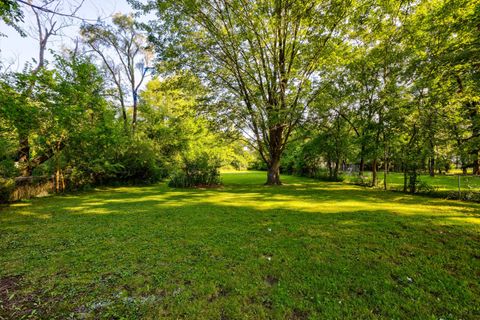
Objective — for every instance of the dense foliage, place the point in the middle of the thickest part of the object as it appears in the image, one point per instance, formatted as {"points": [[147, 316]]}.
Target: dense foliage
{"points": [[76, 137], [376, 84], [314, 88]]}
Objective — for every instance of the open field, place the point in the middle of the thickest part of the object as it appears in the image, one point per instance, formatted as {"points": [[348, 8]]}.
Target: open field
{"points": [[304, 250], [449, 182]]}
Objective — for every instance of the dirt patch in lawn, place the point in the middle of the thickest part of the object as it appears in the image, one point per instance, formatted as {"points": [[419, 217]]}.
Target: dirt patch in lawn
{"points": [[16, 304], [12, 304]]}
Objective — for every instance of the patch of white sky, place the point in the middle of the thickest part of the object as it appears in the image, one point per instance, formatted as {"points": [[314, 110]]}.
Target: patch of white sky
{"points": [[16, 50]]}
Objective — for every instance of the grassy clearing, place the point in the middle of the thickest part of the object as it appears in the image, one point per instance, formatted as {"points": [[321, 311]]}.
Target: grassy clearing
{"points": [[305, 250], [441, 182]]}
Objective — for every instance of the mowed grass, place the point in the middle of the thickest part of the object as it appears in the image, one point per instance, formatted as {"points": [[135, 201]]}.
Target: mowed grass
{"points": [[443, 182], [304, 250]]}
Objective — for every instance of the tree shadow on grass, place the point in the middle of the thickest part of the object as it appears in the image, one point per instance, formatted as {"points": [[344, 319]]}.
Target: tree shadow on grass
{"points": [[336, 252], [306, 197], [320, 250]]}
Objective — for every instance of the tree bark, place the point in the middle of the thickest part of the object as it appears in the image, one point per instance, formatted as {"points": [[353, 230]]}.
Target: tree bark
{"points": [[273, 173], [374, 172], [135, 111], [413, 181], [476, 164], [385, 174], [24, 156], [335, 171], [330, 170], [275, 152], [431, 166], [362, 166]]}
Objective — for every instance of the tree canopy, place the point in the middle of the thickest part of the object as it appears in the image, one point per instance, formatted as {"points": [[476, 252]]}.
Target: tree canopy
{"points": [[284, 85]]}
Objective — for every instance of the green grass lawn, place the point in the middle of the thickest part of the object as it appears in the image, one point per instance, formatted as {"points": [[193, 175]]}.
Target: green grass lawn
{"points": [[447, 182], [305, 250]]}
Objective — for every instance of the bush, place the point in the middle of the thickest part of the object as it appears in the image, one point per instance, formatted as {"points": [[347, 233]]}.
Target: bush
{"points": [[8, 169], [471, 196], [134, 161], [258, 164], [7, 186], [423, 187], [361, 181], [137, 163], [325, 176], [200, 171]]}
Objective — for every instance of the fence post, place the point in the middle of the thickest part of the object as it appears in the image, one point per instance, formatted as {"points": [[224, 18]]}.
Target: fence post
{"points": [[459, 192]]}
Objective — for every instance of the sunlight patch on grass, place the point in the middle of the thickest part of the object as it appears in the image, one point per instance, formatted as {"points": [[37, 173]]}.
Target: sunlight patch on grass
{"points": [[35, 214], [90, 211], [20, 204], [257, 201], [311, 197], [468, 220], [244, 251]]}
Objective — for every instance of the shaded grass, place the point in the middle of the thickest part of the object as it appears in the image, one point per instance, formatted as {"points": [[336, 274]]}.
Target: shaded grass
{"points": [[305, 250]]}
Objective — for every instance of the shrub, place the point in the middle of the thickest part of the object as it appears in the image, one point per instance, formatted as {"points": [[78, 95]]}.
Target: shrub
{"points": [[361, 181], [202, 170], [471, 196], [423, 187], [136, 162], [8, 169], [323, 175], [7, 186]]}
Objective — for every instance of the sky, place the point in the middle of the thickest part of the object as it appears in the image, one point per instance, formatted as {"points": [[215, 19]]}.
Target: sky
{"points": [[16, 50]]}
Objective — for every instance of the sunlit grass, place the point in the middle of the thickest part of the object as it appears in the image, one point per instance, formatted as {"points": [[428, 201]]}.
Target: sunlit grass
{"points": [[441, 182], [303, 250]]}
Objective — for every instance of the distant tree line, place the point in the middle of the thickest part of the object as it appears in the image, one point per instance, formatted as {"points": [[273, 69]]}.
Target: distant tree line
{"points": [[305, 85]]}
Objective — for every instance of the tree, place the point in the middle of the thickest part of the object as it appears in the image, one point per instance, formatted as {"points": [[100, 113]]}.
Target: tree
{"points": [[445, 34], [171, 117], [265, 59], [48, 22], [123, 51], [52, 108], [11, 14]]}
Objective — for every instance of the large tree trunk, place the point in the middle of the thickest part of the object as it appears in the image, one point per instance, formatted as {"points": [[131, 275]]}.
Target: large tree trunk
{"points": [[362, 164], [335, 171], [431, 166], [24, 156], [273, 173], [330, 169], [275, 152], [413, 181]]}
